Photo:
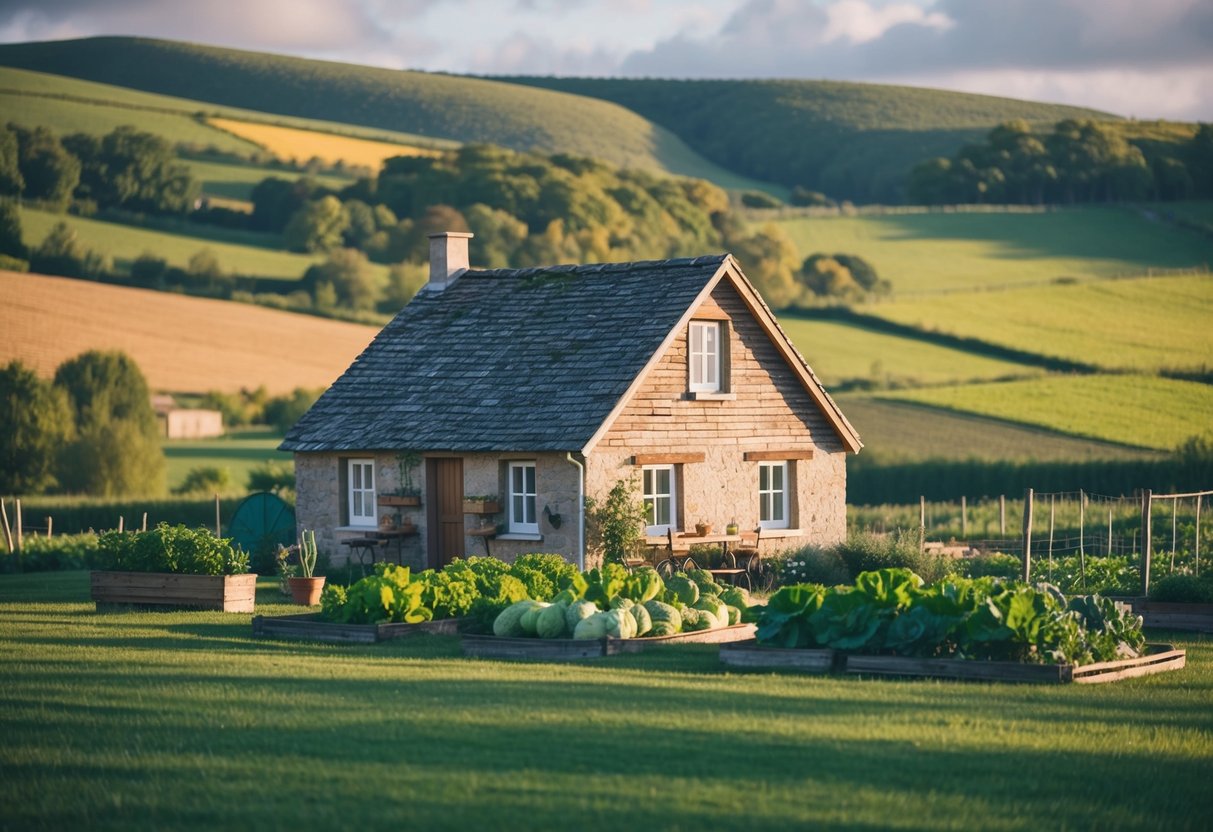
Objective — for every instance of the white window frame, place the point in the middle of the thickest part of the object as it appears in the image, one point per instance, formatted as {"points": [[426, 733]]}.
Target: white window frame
{"points": [[773, 500], [359, 497], [703, 356], [653, 498], [523, 518]]}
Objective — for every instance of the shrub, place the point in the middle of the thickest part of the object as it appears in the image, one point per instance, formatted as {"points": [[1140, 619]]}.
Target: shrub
{"points": [[176, 549], [868, 552], [993, 565], [1184, 589], [57, 553], [811, 565], [205, 479]]}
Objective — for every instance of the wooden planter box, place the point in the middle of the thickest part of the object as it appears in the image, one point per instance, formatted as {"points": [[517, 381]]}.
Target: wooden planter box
{"points": [[749, 654], [1198, 617], [394, 500], [1158, 659], [481, 506], [229, 593], [309, 627], [569, 649]]}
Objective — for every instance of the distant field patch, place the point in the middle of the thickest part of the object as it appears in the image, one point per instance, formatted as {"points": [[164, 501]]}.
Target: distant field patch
{"points": [[896, 431], [936, 251], [1139, 411], [238, 453], [227, 180], [841, 351], [303, 145], [246, 253], [181, 343], [1144, 324]]}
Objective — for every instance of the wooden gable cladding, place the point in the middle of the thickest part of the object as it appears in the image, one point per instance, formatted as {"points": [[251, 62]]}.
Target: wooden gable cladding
{"points": [[767, 409]]}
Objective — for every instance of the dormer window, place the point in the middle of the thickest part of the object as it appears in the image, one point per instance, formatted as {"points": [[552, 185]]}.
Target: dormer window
{"points": [[703, 352]]}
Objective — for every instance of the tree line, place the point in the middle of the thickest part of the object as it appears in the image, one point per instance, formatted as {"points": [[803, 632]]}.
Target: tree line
{"points": [[1078, 161]]}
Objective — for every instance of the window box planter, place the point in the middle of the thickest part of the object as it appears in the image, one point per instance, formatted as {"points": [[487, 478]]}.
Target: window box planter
{"points": [[229, 593], [1158, 658], [481, 506], [309, 627], [398, 500]]}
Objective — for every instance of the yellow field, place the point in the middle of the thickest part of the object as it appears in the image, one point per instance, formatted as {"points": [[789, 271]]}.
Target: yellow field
{"points": [[303, 145], [182, 344]]}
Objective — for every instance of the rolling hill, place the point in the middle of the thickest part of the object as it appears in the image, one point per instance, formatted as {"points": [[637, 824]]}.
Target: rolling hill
{"points": [[431, 105]]}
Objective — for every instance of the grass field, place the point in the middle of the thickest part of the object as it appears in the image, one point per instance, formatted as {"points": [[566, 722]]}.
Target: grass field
{"points": [[1139, 411], [1146, 324], [181, 720], [181, 343], [240, 252], [841, 351], [235, 181], [903, 430], [930, 252], [290, 143], [239, 452]]}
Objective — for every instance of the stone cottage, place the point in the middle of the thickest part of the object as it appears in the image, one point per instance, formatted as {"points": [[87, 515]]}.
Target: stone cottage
{"points": [[539, 387]]}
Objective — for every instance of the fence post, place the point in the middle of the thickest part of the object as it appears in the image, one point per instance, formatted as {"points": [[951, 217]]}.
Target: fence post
{"points": [[1027, 535], [1174, 515], [1002, 515], [217, 534], [144, 527], [1052, 516], [964, 518], [1147, 540], [20, 536], [922, 522], [1197, 544], [8, 531], [1082, 550], [50, 527], [121, 524]]}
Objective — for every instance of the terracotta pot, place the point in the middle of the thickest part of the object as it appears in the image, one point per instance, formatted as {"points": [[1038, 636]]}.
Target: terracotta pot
{"points": [[306, 591], [703, 529]]}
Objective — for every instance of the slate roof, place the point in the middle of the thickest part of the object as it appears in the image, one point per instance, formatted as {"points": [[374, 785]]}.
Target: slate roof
{"points": [[506, 360]]}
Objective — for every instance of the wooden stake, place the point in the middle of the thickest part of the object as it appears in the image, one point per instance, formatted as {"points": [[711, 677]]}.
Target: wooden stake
{"points": [[217, 532], [20, 536], [8, 532], [121, 524], [1197, 544], [144, 526], [1109, 531], [50, 527], [964, 518], [1027, 535], [1082, 550], [1147, 539], [1002, 515], [1174, 515], [1052, 517], [922, 522]]}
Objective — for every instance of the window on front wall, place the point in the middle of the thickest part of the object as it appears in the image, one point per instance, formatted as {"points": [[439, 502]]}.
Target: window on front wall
{"points": [[659, 498], [773, 495], [522, 498], [360, 475], [704, 356]]}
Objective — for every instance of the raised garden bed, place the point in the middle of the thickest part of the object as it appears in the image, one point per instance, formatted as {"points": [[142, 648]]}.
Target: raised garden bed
{"points": [[309, 627], [569, 649], [749, 654], [1176, 616], [1159, 658], [161, 590]]}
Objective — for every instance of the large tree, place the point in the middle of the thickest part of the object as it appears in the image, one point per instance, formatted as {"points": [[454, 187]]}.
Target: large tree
{"points": [[50, 172], [12, 182], [35, 424], [117, 446]]}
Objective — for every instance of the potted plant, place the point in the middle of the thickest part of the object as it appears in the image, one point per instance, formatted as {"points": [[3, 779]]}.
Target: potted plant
{"points": [[286, 569], [703, 529], [732, 528], [407, 494], [306, 587]]}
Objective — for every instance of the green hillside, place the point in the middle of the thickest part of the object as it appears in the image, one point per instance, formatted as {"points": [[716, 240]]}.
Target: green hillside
{"points": [[852, 141], [431, 105]]}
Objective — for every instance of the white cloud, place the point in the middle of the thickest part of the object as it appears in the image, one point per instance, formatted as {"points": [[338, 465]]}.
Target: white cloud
{"points": [[858, 21]]}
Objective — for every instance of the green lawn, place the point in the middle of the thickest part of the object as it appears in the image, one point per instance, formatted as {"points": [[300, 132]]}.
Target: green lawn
{"points": [[1143, 324], [1138, 411], [239, 453], [240, 252], [904, 430], [181, 720], [233, 181], [936, 251], [841, 351]]}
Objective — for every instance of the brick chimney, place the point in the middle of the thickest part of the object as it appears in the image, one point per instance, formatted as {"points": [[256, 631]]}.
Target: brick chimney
{"points": [[448, 258]]}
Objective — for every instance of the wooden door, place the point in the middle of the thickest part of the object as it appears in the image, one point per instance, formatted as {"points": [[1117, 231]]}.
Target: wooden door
{"points": [[446, 537]]}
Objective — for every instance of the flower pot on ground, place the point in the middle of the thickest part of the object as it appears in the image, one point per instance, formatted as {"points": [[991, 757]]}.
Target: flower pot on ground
{"points": [[305, 589]]}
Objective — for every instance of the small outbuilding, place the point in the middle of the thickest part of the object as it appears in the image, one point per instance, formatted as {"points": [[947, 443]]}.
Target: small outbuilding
{"points": [[532, 389]]}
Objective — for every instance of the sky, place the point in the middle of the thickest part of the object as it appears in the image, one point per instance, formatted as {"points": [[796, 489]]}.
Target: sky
{"points": [[1139, 58]]}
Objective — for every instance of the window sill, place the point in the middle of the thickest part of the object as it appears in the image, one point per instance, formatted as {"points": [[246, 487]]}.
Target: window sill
{"points": [[711, 397], [537, 538]]}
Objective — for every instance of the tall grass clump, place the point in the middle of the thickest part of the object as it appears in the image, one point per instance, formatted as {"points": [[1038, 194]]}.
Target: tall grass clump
{"points": [[868, 551]]}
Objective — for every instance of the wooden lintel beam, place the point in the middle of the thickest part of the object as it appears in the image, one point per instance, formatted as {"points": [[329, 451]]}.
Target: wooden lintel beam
{"points": [[776, 456], [668, 459]]}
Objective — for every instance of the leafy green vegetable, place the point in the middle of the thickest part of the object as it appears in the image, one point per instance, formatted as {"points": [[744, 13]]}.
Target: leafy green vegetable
{"points": [[550, 623], [508, 624], [683, 588], [642, 585], [593, 627], [664, 617]]}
